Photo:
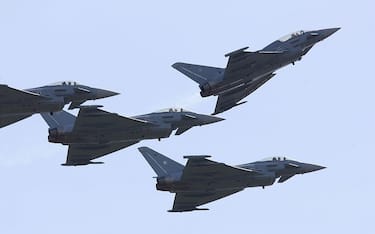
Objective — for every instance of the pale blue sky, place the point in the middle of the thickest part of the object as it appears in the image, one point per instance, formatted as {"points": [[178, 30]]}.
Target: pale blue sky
{"points": [[319, 111]]}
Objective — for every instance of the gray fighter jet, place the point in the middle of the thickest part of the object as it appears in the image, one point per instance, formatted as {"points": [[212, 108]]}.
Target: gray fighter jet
{"points": [[246, 71], [95, 132], [202, 181], [16, 104]]}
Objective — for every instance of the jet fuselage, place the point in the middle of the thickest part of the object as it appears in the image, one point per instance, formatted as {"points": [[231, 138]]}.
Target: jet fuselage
{"points": [[160, 125], [202, 180], [269, 171], [52, 98], [280, 53], [69, 91]]}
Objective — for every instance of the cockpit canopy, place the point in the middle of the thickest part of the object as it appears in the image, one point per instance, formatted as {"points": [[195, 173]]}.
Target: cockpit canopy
{"points": [[70, 83], [291, 35], [276, 158], [171, 110]]}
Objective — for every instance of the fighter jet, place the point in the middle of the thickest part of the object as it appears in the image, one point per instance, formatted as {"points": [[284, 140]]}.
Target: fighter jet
{"points": [[202, 181], [16, 104], [246, 71], [95, 132]]}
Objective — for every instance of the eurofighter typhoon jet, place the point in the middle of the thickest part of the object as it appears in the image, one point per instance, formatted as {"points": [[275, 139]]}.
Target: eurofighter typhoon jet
{"points": [[246, 71], [202, 181], [95, 132], [16, 104]]}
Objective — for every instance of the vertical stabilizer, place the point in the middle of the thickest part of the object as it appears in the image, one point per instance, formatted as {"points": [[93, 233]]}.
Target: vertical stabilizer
{"points": [[60, 119], [161, 164], [200, 74]]}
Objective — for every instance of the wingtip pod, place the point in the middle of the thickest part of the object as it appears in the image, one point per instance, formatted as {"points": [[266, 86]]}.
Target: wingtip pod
{"points": [[223, 109], [197, 156], [80, 163], [236, 52], [186, 210], [90, 106]]}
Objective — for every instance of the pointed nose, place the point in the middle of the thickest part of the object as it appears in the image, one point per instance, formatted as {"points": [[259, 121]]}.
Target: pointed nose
{"points": [[311, 167], [329, 31], [208, 119], [324, 33], [102, 93]]}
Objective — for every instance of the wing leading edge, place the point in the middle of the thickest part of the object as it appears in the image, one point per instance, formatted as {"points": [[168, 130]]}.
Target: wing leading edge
{"points": [[94, 119], [201, 170]]}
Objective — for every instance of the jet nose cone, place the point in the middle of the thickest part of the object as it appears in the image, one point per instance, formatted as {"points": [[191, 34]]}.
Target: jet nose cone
{"points": [[329, 31], [311, 167], [102, 93], [208, 119], [324, 33]]}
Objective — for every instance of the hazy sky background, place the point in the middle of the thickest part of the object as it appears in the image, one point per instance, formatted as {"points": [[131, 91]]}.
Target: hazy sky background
{"points": [[319, 111]]}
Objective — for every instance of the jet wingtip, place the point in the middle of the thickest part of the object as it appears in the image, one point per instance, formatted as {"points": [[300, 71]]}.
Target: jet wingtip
{"points": [[142, 148], [176, 65], [90, 106], [80, 163]]}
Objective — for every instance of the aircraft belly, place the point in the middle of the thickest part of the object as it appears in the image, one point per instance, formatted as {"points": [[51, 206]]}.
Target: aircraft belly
{"points": [[139, 134], [260, 181], [156, 133], [111, 136], [231, 183], [208, 188], [174, 187], [216, 184], [67, 139]]}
